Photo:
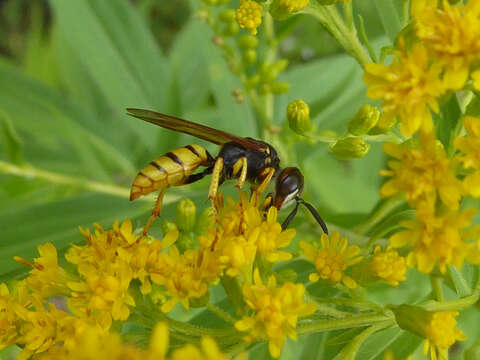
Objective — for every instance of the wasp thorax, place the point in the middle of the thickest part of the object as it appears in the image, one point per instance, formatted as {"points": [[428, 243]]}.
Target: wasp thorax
{"points": [[288, 186]]}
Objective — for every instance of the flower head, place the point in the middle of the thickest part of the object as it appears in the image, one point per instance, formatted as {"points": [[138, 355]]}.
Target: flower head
{"points": [[451, 34], [332, 259], [388, 265], [409, 88], [422, 172], [441, 333], [249, 15], [437, 239], [276, 311]]}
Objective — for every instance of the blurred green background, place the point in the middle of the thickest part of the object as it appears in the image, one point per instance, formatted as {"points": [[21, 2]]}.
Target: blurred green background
{"points": [[69, 153]]}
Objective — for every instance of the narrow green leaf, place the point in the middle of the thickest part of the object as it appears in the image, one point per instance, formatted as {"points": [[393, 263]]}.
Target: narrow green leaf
{"points": [[12, 142], [461, 284], [448, 123]]}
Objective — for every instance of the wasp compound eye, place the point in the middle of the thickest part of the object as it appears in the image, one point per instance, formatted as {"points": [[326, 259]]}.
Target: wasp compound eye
{"points": [[289, 185]]}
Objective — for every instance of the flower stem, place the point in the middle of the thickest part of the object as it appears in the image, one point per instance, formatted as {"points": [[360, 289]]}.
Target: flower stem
{"points": [[453, 305], [221, 313], [383, 210], [346, 323], [329, 17], [436, 283]]}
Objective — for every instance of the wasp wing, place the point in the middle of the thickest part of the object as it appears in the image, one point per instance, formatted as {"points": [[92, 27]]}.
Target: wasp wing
{"points": [[200, 131]]}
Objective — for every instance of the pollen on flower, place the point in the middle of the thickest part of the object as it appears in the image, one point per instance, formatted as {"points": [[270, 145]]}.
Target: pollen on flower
{"points": [[249, 15], [409, 88], [422, 172], [332, 259], [276, 311], [435, 239], [441, 333], [388, 265], [451, 34]]}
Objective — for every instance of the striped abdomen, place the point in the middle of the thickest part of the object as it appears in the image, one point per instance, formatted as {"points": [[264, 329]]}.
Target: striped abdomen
{"points": [[171, 169]]}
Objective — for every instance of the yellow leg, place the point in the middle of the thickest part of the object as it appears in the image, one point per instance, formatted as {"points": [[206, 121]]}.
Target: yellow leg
{"points": [[216, 173], [261, 188], [243, 175], [155, 213]]}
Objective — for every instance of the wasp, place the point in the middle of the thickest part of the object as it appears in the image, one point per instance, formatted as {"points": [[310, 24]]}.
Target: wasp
{"points": [[241, 158]]}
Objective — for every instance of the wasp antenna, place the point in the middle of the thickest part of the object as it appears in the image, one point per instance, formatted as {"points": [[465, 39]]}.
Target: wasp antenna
{"points": [[290, 216], [315, 214]]}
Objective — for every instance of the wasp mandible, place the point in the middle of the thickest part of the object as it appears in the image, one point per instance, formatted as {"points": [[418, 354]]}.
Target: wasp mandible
{"points": [[244, 159]]}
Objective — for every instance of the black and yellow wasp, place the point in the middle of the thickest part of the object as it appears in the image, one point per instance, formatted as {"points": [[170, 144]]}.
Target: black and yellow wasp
{"points": [[244, 159]]}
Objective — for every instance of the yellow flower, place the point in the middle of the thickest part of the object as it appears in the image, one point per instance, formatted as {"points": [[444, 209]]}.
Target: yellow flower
{"points": [[475, 75], [8, 329], [452, 35], [409, 88], [208, 351], [282, 9], [388, 265], [185, 276], [421, 172], [470, 158], [276, 311], [441, 333], [332, 259], [46, 278], [249, 15], [102, 296], [437, 239], [242, 232]]}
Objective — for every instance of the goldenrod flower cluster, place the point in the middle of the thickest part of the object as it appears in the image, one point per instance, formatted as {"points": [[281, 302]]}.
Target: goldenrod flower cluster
{"points": [[276, 311], [249, 15]]}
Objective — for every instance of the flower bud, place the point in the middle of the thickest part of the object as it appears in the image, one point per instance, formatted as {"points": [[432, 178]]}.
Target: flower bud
{"points": [[227, 16], [413, 319], [384, 124], [248, 42], [278, 88], [186, 213], [249, 15], [252, 81], [282, 9], [168, 226], [205, 220], [250, 56], [231, 29], [298, 115], [185, 242], [349, 148], [364, 120]]}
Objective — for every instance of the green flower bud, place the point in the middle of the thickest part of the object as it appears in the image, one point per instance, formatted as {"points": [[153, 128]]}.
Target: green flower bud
{"points": [[280, 87], [270, 72], [282, 9], [364, 120], [186, 213], [205, 220], [413, 319], [298, 115], [168, 226], [185, 241], [231, 29], [250, 56], [287, 275], [350, 147], [248, 42], [264, 89], [227, 16], [384, 124]]}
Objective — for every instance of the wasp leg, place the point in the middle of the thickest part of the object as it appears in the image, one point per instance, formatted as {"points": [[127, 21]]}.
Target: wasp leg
{"points": [[261, 188], [243, 174], [155, 213], [198, 176], [216, 174]]}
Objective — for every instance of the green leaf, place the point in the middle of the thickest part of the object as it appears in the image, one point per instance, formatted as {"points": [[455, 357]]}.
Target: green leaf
{"points": [[390, 16], [56, 222], [122, 57], [448, 123], [11, 140], [462, 285]]}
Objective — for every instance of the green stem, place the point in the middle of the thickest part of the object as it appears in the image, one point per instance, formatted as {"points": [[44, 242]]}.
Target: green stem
{"points": [[326, 310], [78, 182], [349, 352], [453, 305], [329, 17], [221, 314], [346, 323], [384, 209], [436, 283]]}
